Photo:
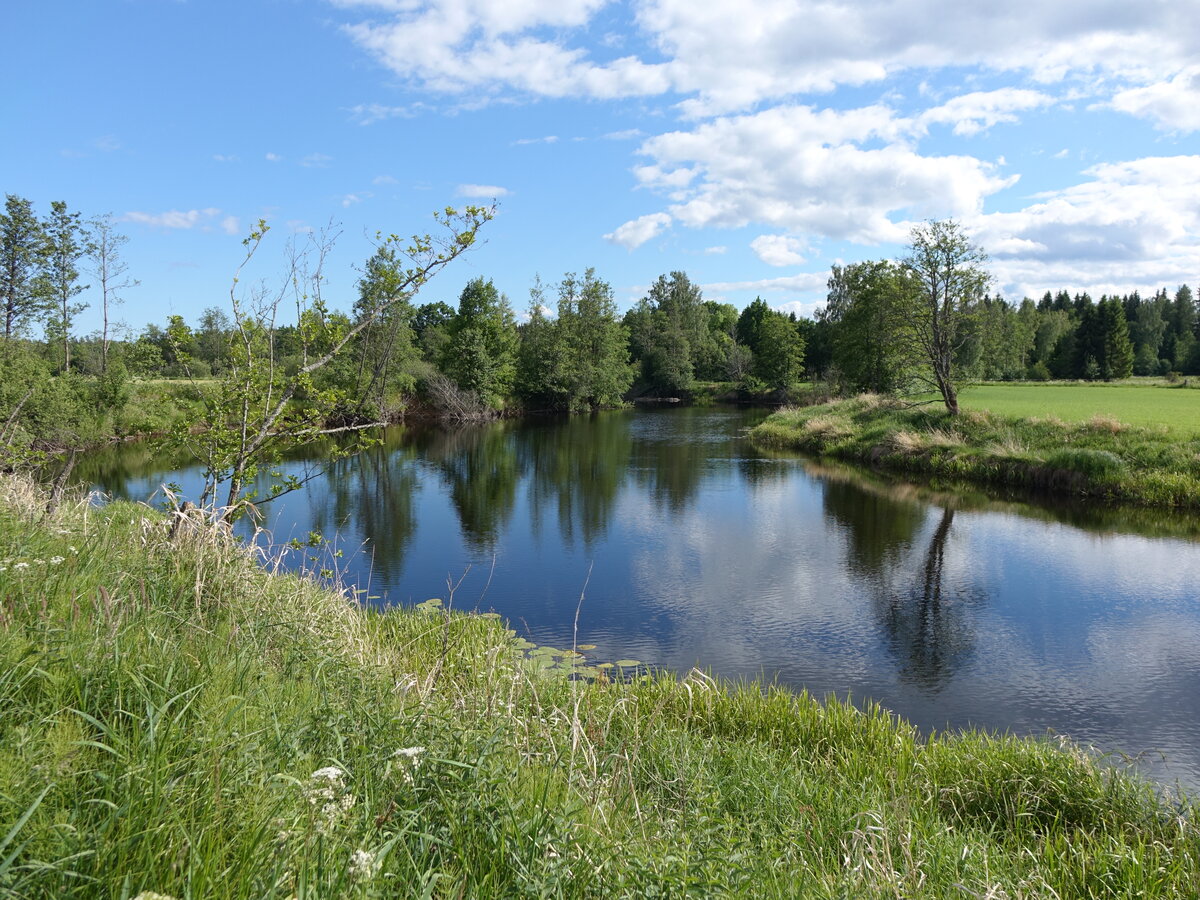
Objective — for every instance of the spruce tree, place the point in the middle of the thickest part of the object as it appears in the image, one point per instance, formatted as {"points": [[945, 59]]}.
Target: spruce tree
{"points": [[21, 242], [1117, 348]]}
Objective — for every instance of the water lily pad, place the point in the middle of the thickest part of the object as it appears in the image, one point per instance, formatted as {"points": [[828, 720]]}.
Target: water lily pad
{"points": [[586, 647], [627, 663]]}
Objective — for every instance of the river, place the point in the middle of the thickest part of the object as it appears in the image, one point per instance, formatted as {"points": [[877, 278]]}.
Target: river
{"points": [[664, 536]]}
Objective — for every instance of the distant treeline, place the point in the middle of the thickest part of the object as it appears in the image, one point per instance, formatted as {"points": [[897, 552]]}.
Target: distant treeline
{"points": [[573, 350], [857, 339]]}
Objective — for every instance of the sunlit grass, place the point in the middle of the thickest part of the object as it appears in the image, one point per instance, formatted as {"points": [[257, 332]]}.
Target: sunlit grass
{"points": [[173, 720], [1142, 403]]}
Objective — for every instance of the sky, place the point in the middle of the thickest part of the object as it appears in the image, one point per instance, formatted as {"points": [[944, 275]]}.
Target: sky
{"points": [[749, 143]]}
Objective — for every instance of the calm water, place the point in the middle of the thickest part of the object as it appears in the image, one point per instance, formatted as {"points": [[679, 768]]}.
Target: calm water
{"points": [[689, 547]]}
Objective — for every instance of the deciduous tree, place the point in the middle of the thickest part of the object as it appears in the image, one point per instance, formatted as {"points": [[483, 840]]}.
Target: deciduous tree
{"points": [[950, 276]]}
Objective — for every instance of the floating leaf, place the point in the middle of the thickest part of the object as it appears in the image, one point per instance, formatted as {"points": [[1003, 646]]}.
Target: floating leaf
{"points": [[586, 647], [627, 663]]}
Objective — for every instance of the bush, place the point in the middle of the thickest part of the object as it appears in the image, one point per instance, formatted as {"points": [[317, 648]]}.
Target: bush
{"points": [[1038, 371]]}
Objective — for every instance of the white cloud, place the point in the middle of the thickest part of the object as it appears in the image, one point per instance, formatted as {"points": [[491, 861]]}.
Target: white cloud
{"points": [[716, 251], [809, 172], [370, 113], [805, 282], [627, 135], [634, 233], [384, 179], [107, 144], [273, 157], [316, 161], [1130, 225], [728, 55], [174, 218], [1173, 105], [231, 225], [482, 191], [548, 139], [349, 200], [779, 249], [979, 111], [225, 157]]}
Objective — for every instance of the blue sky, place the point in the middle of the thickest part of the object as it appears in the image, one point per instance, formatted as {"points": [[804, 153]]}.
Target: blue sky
{"points": [[750, 143]]}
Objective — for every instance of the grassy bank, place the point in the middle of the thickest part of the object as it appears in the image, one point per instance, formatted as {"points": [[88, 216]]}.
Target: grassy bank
{"points": [[1099, 458], [175, 720]]}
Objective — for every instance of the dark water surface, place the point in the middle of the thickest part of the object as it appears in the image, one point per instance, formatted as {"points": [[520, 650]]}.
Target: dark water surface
{"points": [[690, 547]]}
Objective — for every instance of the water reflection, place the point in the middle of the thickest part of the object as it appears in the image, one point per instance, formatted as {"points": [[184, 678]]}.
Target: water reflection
{"points": [[578, 466], [928, 624], [949, 606]]}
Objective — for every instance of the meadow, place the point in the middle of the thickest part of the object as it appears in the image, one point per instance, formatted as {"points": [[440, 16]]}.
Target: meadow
{"points": [[1143, 402]]}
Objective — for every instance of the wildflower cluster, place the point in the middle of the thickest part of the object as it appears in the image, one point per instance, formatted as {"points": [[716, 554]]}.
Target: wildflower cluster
{"points": [[363, 865], [326, 792], [406, 761]]}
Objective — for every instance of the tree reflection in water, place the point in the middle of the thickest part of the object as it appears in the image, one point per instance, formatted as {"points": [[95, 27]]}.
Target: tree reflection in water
{"points": [[929, 625], [925, 617]]}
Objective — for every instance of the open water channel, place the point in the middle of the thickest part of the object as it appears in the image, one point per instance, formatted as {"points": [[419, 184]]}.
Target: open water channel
{"points": [[690, 547]]}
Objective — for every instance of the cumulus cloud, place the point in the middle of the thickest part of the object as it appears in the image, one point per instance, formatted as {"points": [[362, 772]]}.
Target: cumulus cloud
{"points": [[173, 219], [231, 225], [1129, 225], [779, 249], [634, 233], [482, 191], [811, 172], [1173, 105], [731, 54], [979, 111]]}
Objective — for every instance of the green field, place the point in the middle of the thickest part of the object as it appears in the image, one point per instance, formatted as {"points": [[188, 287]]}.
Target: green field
{"points": [[1131, 403]]}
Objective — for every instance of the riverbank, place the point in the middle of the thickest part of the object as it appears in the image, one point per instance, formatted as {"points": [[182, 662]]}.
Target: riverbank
{"points": [[178, 720], [1101, 458]]}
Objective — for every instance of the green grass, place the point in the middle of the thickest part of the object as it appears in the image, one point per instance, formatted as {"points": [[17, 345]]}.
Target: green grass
{"points": [[1100, 458], [175, 720], [1145, 403]]}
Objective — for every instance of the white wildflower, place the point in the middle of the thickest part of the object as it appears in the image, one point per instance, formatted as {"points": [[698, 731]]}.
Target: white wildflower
{"points": [[362, 864], [55, 560], [328, 792], [153, 895], [21, 566], [406, 759], [74, 550], [332, 774]]}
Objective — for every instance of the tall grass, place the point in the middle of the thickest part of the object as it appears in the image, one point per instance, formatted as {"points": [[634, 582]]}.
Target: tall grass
{"points": [[1100, 458], [176, 721]]}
